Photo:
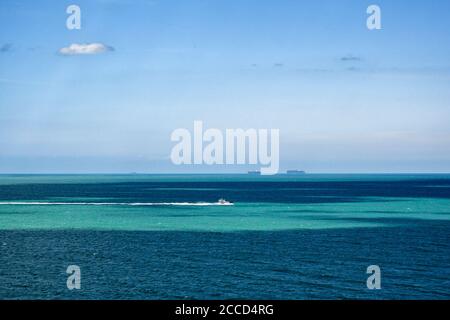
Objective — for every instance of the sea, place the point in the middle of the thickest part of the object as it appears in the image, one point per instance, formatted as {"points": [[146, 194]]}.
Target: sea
{"points": [[294, 237]]}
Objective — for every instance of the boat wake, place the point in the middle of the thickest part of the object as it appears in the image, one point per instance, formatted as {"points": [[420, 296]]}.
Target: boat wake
{"points": [[25, 203]]}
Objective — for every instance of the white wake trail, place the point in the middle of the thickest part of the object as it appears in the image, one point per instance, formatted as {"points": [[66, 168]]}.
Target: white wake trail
{"points": [[24, 203]]}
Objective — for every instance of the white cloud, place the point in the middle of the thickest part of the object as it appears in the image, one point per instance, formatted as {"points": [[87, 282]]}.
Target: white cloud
{"points": [[86, 48]]}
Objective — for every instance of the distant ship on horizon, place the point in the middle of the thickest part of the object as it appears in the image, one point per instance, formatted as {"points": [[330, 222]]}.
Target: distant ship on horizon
{"points": [[258, 173], [295, 172]]}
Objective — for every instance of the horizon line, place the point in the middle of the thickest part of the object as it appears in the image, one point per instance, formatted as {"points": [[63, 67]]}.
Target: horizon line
{"points": [[219, 173]]}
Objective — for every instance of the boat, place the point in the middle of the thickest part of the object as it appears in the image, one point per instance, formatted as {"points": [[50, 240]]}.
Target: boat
{"points": [[224, 202]]}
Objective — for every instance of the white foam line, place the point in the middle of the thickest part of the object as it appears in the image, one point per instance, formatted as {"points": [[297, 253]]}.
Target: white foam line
{"points": [[23, 203]]}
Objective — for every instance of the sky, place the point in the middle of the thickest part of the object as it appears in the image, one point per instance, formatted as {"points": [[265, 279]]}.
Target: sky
{"points": [[345, 98]]}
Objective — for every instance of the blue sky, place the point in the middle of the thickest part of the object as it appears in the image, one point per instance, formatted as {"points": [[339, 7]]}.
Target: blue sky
{"points": [[345, 99]]}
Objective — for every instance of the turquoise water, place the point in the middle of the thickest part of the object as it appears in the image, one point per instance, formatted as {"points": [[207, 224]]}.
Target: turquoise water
{"points": [[239, 217], [134, 212], [296, 225]]}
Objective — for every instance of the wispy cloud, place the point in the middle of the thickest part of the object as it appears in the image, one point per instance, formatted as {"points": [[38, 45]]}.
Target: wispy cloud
{"points": [[350, 57], [6, 47], [23, 82], [85, 49]]}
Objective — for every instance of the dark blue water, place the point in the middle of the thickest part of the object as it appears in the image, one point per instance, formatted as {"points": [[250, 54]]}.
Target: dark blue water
{"points": [[258, 265]]}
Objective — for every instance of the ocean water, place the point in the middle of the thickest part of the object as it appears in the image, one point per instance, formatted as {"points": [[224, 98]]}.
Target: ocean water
{"points": [[166, 237]]}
